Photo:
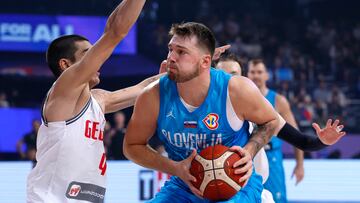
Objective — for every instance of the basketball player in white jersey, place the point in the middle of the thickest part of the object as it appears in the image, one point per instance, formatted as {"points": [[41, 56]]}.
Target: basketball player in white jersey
{"points": [[71, 160]]}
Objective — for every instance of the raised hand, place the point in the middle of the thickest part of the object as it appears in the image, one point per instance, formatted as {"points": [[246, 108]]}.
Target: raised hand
{"points": [[244, 165], [219, 51], [331, 133]]}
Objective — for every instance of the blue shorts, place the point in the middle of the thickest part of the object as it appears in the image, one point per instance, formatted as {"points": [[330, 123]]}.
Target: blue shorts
{"points": [[175, 191], [276, 181]]}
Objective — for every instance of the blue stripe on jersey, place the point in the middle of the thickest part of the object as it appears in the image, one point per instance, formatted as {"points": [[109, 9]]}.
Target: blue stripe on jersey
{"points": [[212, 124], [271, 97]]}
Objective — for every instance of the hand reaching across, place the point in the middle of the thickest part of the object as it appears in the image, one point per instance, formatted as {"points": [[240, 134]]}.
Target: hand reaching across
{"points": [[331, 133]]}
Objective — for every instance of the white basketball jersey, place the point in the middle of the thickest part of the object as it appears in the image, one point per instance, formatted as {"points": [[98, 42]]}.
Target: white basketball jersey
{"points": [[71, 161]]}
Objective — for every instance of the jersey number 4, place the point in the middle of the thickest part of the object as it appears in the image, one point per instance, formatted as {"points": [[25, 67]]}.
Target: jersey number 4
{"points": [[102, 165]]}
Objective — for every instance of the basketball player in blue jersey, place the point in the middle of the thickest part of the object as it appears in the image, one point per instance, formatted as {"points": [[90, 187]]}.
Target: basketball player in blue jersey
{"points": [[195, 106], [257, 72], [232, 65]]}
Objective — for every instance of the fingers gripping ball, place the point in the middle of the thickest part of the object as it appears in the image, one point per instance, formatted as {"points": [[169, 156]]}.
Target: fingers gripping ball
{"points": [[214, 173]]}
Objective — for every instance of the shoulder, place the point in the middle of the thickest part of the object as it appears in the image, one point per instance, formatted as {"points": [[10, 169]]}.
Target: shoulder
{"points": [[100, 96], [240, 85], [281, 102], [151, 92]]}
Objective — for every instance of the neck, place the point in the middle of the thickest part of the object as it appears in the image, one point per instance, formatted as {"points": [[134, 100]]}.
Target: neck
{"points": [[264, 90], [195, 90]]}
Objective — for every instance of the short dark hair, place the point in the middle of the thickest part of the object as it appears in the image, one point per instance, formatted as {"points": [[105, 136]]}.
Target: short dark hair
{"points": [[62, 47], [228, 56], [206, 38], [256, 62]]}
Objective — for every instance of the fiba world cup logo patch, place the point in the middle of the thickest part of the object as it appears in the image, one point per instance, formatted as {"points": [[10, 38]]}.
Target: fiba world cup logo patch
{"points": [[211, 121]]}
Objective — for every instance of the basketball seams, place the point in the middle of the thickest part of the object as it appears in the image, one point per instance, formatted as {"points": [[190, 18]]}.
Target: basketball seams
{"points": [[224, 177], [213, 171], [216, 172]]}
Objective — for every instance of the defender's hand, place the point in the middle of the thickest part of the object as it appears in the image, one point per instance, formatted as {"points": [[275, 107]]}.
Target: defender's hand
{"points": [[331, 133], [218, 51]]}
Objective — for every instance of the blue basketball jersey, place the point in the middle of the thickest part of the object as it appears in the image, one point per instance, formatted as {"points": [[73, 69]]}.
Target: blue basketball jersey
{"points": [[276, 180], [275, 141], [182, 131]]}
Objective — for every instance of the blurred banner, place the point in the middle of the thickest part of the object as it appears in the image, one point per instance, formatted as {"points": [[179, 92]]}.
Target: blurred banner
{"points": [[325, 181], [33, 33]]}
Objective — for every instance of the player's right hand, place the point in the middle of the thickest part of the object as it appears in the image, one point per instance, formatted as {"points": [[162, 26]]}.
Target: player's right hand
{"points": [[244, 165], [183, 172]]}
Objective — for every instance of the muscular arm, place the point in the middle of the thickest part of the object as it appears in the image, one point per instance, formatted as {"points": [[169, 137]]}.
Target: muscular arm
{"points": [[249, 104], [71, 88], [117, 26], [141, 128], [123, 98]]}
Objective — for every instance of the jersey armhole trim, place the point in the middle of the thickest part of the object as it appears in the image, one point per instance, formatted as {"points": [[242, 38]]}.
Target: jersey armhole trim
{"points": [[75, 118]]}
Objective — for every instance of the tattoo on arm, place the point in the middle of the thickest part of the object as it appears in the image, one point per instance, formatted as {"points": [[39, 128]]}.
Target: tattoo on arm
{"points": [[260, 136]]}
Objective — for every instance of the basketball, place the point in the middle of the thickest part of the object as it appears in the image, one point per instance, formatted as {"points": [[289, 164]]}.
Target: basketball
{"points": [[214, 173]]}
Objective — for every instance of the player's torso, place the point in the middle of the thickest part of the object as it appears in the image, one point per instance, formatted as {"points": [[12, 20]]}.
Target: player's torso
{"points": [[181, 130], [71, 160]]}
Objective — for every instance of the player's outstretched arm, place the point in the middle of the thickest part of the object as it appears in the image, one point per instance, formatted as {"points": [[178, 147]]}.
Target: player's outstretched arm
{"points": [[326, 136], [73, 80], [123, 98]]}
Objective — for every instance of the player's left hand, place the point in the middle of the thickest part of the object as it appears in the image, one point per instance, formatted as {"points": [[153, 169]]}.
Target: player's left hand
{"points": [[331, 133], [219, 50], [244, 165], [298, 173]]}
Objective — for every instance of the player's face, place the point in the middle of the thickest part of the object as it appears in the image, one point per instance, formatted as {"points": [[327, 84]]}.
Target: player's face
{"points": [[184, 58], [258, 74], [82, 48], [231, 67]]}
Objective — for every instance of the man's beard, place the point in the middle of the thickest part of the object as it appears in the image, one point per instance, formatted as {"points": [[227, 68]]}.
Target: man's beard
{"points": [[176, 77]]}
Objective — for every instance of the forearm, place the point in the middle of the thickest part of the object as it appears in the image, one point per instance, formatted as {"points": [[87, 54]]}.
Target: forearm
{"points": [[149, 80], [300, 140], [149, 158], [289, 118], [299, 156], [123, 17], [260, 137]]}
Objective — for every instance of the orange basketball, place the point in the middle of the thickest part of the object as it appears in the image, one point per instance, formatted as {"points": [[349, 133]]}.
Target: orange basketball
{"points": [[214, 172]]}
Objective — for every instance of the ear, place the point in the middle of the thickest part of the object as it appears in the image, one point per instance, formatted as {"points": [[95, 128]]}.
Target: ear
{"points": [[64, 64], [206, 61]]}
